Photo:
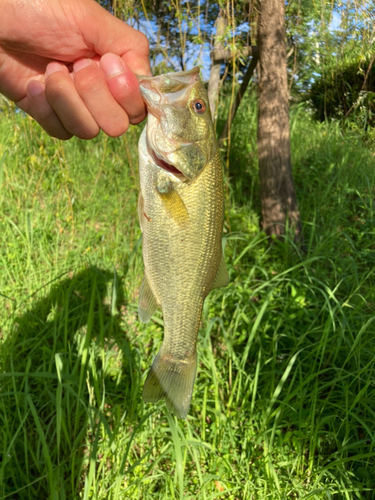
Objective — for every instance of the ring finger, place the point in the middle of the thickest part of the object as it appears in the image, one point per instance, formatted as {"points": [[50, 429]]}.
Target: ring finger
{"points": [[64, 99]]}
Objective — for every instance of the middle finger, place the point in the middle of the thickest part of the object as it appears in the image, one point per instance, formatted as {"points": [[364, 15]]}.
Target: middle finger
{"points": [[91, 85]]}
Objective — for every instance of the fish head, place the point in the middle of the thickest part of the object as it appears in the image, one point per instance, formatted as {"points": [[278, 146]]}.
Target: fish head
{"points": [[180, 136]]}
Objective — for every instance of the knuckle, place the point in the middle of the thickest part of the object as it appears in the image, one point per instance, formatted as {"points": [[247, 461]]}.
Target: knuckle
{"points": [[85, 133], [51, 124], [143, 44], [82, 126], [126, 93], [56, 87], [48, 120], [88, 137], [45, 114], [115, 128], [63, 134], [87, 81], [138, 119]]}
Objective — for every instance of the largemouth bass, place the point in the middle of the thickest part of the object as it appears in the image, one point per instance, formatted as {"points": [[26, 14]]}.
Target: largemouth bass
{"points": [[181, 211]]}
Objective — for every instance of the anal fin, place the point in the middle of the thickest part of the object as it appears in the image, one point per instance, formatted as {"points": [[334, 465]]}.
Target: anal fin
{"points": [[147, 303]]}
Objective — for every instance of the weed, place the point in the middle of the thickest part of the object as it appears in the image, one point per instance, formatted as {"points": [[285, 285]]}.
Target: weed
{"points": [[283, 405]]}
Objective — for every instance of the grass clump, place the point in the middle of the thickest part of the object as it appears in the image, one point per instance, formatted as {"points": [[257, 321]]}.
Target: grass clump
{"points": [[283, 405]]}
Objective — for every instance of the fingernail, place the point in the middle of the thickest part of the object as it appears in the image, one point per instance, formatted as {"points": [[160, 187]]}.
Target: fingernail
{"points": [[35, 88], [147, 71], [80, 64], [54, 67], [144, 73], [112, 65]]}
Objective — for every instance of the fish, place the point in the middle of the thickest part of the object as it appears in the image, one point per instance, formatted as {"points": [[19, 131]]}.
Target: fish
{"points": [[181, 214]]}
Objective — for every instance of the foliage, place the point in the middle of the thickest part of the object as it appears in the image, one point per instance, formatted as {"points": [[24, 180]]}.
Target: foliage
{"points": [[283, 405], [181, 33], [331, 46], [329, 42], [346, 89]]}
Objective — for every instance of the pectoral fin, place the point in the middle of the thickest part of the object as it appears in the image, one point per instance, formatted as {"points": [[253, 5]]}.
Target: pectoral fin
{"points": [[147, 304], [222, 276], [175, 207]]}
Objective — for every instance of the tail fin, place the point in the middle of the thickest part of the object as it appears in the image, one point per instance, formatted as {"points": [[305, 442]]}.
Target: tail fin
{"points": [[172, 379]]}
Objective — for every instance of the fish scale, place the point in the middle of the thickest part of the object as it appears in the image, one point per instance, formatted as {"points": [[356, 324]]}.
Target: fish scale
{"points": [[181, 217]]}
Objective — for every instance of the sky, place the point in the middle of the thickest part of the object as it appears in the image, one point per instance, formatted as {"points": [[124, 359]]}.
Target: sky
{"points": [[336, 21]]}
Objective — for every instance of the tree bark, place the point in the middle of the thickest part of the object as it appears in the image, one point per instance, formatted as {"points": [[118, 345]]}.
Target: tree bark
{"points": [[214, 81], [279, 202]]}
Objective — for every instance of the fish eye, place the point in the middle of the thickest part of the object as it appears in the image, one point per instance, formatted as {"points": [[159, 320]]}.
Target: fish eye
{"points": [[199, 106]]}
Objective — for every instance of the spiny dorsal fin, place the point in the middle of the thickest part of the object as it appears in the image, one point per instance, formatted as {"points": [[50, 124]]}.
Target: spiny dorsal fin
{"points": [[147, 304], [222, 276]]}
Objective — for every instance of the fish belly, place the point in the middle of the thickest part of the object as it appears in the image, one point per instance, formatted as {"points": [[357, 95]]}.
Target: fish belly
{"points": [[181, 263]]}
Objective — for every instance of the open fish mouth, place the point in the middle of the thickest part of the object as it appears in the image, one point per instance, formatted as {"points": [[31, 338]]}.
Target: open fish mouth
{"points": [[167, 167]]}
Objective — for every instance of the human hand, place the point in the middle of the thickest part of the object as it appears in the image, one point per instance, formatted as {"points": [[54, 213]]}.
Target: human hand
{"points": [[71, 65]]}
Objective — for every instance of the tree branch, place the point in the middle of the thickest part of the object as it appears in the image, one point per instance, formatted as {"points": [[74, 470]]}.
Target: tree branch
{"points": [[214, 81], [240, 94], [223, 54]]}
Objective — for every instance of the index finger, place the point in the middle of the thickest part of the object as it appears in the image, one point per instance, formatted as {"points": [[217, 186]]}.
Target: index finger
{"points": [[124, 87]]}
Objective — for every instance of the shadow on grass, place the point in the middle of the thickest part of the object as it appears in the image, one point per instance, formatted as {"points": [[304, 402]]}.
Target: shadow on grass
{"points": [[66, 369]]}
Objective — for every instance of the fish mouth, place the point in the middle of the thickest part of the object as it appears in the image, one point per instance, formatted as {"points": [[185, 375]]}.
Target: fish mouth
{"points": [[167, 167]]}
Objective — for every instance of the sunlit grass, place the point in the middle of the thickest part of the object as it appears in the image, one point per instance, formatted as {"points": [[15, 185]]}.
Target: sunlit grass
{"points": [[283, 405]]}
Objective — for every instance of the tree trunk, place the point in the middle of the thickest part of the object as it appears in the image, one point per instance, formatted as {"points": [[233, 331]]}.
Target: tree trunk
{"points": [[213, 84], [279, 203]]}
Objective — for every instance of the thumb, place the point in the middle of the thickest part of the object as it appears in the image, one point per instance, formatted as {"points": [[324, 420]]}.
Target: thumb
{"points": [[106, 33]]}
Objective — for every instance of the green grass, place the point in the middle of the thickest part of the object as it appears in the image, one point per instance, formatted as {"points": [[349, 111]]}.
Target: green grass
{"points": [[284, 401]]}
